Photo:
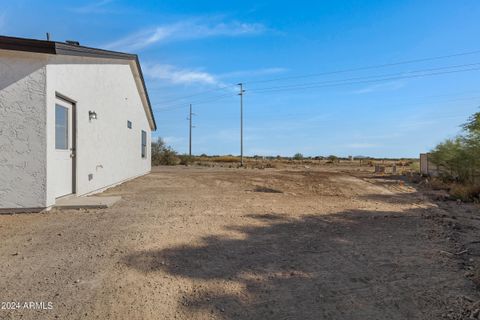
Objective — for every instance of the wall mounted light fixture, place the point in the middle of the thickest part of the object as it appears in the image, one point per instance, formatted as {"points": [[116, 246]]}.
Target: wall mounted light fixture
{"points": [[92, 115]]}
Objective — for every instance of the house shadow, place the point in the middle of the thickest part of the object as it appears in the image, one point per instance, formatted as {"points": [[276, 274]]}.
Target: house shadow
{"points": [[350, 265]]}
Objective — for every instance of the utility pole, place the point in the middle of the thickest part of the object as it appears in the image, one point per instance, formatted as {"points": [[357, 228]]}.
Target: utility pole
{"points": [[241, 122], [191, 114]]}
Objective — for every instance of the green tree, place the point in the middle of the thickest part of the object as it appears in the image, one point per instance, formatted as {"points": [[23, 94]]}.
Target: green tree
{"points": [[472, 127], [298, 156], [163, 154], [452, 158], [459, 158], [472, 141], [332, 158]]}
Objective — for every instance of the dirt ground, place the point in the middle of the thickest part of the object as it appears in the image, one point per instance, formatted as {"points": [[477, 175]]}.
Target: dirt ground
{"points": [[213, 243]]}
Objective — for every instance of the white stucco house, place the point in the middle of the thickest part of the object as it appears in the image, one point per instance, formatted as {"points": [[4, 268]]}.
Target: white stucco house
{"points": [[73, 120]]}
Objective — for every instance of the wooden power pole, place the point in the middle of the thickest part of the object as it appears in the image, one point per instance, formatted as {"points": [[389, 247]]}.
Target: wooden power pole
{"points": [[241, 122], [191, 114]]}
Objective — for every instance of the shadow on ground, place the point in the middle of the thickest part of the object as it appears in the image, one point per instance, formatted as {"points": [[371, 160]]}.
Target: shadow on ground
{"points": [[399, 198], [350, 265]]}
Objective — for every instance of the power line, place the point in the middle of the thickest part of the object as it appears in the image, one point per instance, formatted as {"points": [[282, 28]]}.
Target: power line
{"points": [[367, 67], [339, 82], [424, 103], [329, 73], [313, 85], [372, 76]]}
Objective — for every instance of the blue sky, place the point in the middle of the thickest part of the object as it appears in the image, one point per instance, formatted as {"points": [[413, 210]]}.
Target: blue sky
{"points": [[198, 51]]}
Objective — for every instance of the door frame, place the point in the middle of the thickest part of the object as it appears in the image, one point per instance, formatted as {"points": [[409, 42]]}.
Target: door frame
{"points": [[73, 149]]}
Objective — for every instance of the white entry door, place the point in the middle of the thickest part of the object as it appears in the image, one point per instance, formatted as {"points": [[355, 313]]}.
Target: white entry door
{"points": [[64, 151]]}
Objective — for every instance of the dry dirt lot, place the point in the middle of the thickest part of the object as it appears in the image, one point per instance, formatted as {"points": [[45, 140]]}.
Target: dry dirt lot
{"points": [[210, 243]]}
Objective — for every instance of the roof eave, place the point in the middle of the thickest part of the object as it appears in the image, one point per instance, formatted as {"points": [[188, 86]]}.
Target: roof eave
{"points": [[60, 48]]}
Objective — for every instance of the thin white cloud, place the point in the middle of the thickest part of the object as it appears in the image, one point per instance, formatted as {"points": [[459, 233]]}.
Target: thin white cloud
{"points": [[422, 123], [176, 75], [253, 73], [361, 145], [93, 7], [225, 135], [186, 30], [389, 86], [370, 137], [173, 140], [417, 124]]}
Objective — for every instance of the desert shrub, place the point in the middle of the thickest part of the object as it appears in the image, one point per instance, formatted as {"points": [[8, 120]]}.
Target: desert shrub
{"points": [[414, 166], [186, 160], [453, 159], [163, 154], [465, 192], [298, 156], [439, 184], [226, 159], [459, 159], [407, 163], [333, 158]]}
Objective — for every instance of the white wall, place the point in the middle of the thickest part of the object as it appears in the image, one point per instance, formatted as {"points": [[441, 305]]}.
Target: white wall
{"points": [[22, 130], [106, 148]]}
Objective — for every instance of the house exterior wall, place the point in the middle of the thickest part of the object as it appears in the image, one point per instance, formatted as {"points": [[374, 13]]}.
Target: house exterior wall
{"points": [[22, 130], [106, 150]]}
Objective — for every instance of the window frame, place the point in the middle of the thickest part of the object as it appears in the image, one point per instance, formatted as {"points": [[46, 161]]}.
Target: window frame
{"points": [[65, 127]]}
